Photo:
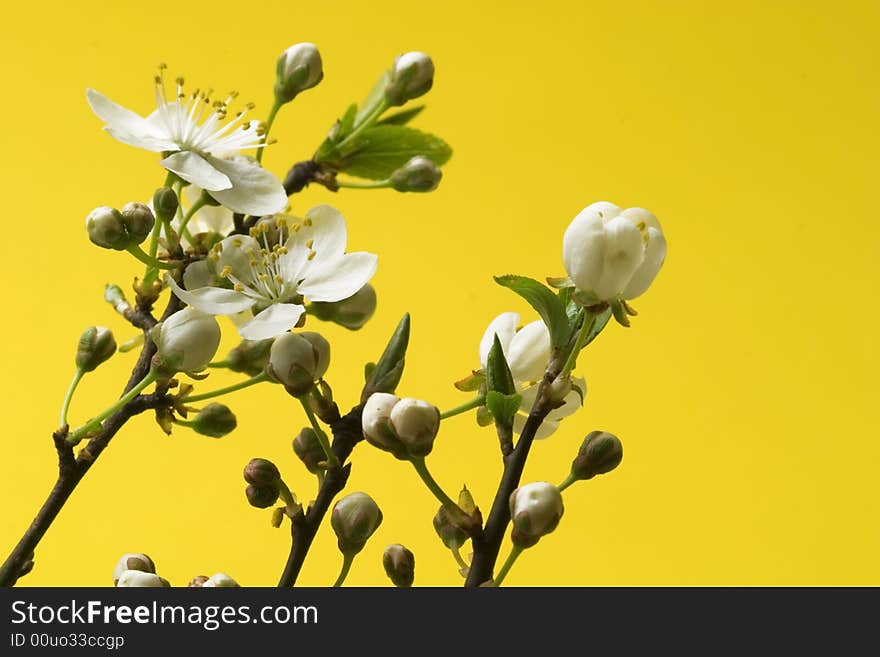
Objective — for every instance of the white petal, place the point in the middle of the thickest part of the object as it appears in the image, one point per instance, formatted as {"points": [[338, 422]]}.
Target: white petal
{"points": [[624, 253], [274, 320], [198, 274], [339, 279], [582, 248], [505, 327], [546, 429], [655, 254], [529, 352], [211, 300], [324, 229], [127, 126], [195, 169], [254, 190]]}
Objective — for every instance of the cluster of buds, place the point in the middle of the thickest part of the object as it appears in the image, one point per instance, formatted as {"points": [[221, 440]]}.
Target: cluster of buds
{"points": [[185, 342], [137, 570], [297, 360], [400, 565], [263, 480], [354, 519], [405, 427], [111, 229], [535, 511], [96, 345]]}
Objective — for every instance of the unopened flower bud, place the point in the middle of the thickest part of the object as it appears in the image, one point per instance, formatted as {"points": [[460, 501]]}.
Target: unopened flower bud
{"points": [[600, 452], [418, 175], [220, 580], [376, 424], [400, 565], [250, 356], [96, 345], [185, 342], [297, 360], [352, 313], [165, 204], [535, 510], [133, 561], [411, 76], [308, 448], [106, 228], [139, 221], [261, 497], [354, 519], [215, 420], [197, 582], [559, 389], [298, 68], [261, 472], [449, 531], [415, 422], [138, 578]]}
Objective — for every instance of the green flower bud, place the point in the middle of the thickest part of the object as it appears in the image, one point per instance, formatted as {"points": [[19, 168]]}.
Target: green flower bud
{"points": [[298, 68], [535, 510], [418, 175], [96, 345], [106, 228], [165, 204], [261, 497], [137, 578], [250, 356], [600, 452], [297, 360], [133, 561], [354, 519], [185, 342], [197, 582], [139, 221], [215, 420], [400, 565], [308, 448], [220, 580], [261, 472], [450, 532], [411, 76], [352, 313]]}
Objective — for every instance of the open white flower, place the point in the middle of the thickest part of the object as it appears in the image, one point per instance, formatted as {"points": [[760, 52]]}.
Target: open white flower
{"points": [[271, 271], [527, 351], [196, 150]]}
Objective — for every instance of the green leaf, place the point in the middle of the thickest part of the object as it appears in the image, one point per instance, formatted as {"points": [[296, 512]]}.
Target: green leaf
{"points": [[545, 303], [388, 371], [598, 325], [377, 93], [498, 376], [503, 407], [471, 383], [379, 151], [369, 368], [402, 117], [560, 282], [346, 123]]}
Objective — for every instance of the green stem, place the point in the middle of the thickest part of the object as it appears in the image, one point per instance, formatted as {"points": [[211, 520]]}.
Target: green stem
{"points": [[511, 558], [147, 259], [219, 364], [476, 402], [201, 202], [569, 480], [444, 499], [269, 121], [184, 423], [332, 461], [368, 120], [347, 560], [586, 325], [150, 273], [379, 184], [96, 421], [284, 493], [74, 382], [456, 552], [259, 378]]}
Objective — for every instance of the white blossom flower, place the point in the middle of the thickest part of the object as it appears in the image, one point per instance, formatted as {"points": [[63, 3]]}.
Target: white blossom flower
{"points": [[613, 253], [271, 271], [527, 351], [197, 150]]}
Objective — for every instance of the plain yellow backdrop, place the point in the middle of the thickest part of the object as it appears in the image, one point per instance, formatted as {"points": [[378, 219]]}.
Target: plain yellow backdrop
{"points": [[745, 392]]}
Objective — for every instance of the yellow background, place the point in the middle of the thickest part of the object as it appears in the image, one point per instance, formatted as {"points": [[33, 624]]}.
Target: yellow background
{"points": [[744, 393]]}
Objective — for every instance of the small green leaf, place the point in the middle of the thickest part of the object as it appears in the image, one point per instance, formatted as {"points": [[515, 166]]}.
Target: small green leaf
{"points": [[619, 313], [379, 151], [388, 371], [471, 383], [560, 282], [498, 376], [402, 117], [368, 370], [545, 303], [598, 325], [503, 407], [377, 93], [346, 123]]}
